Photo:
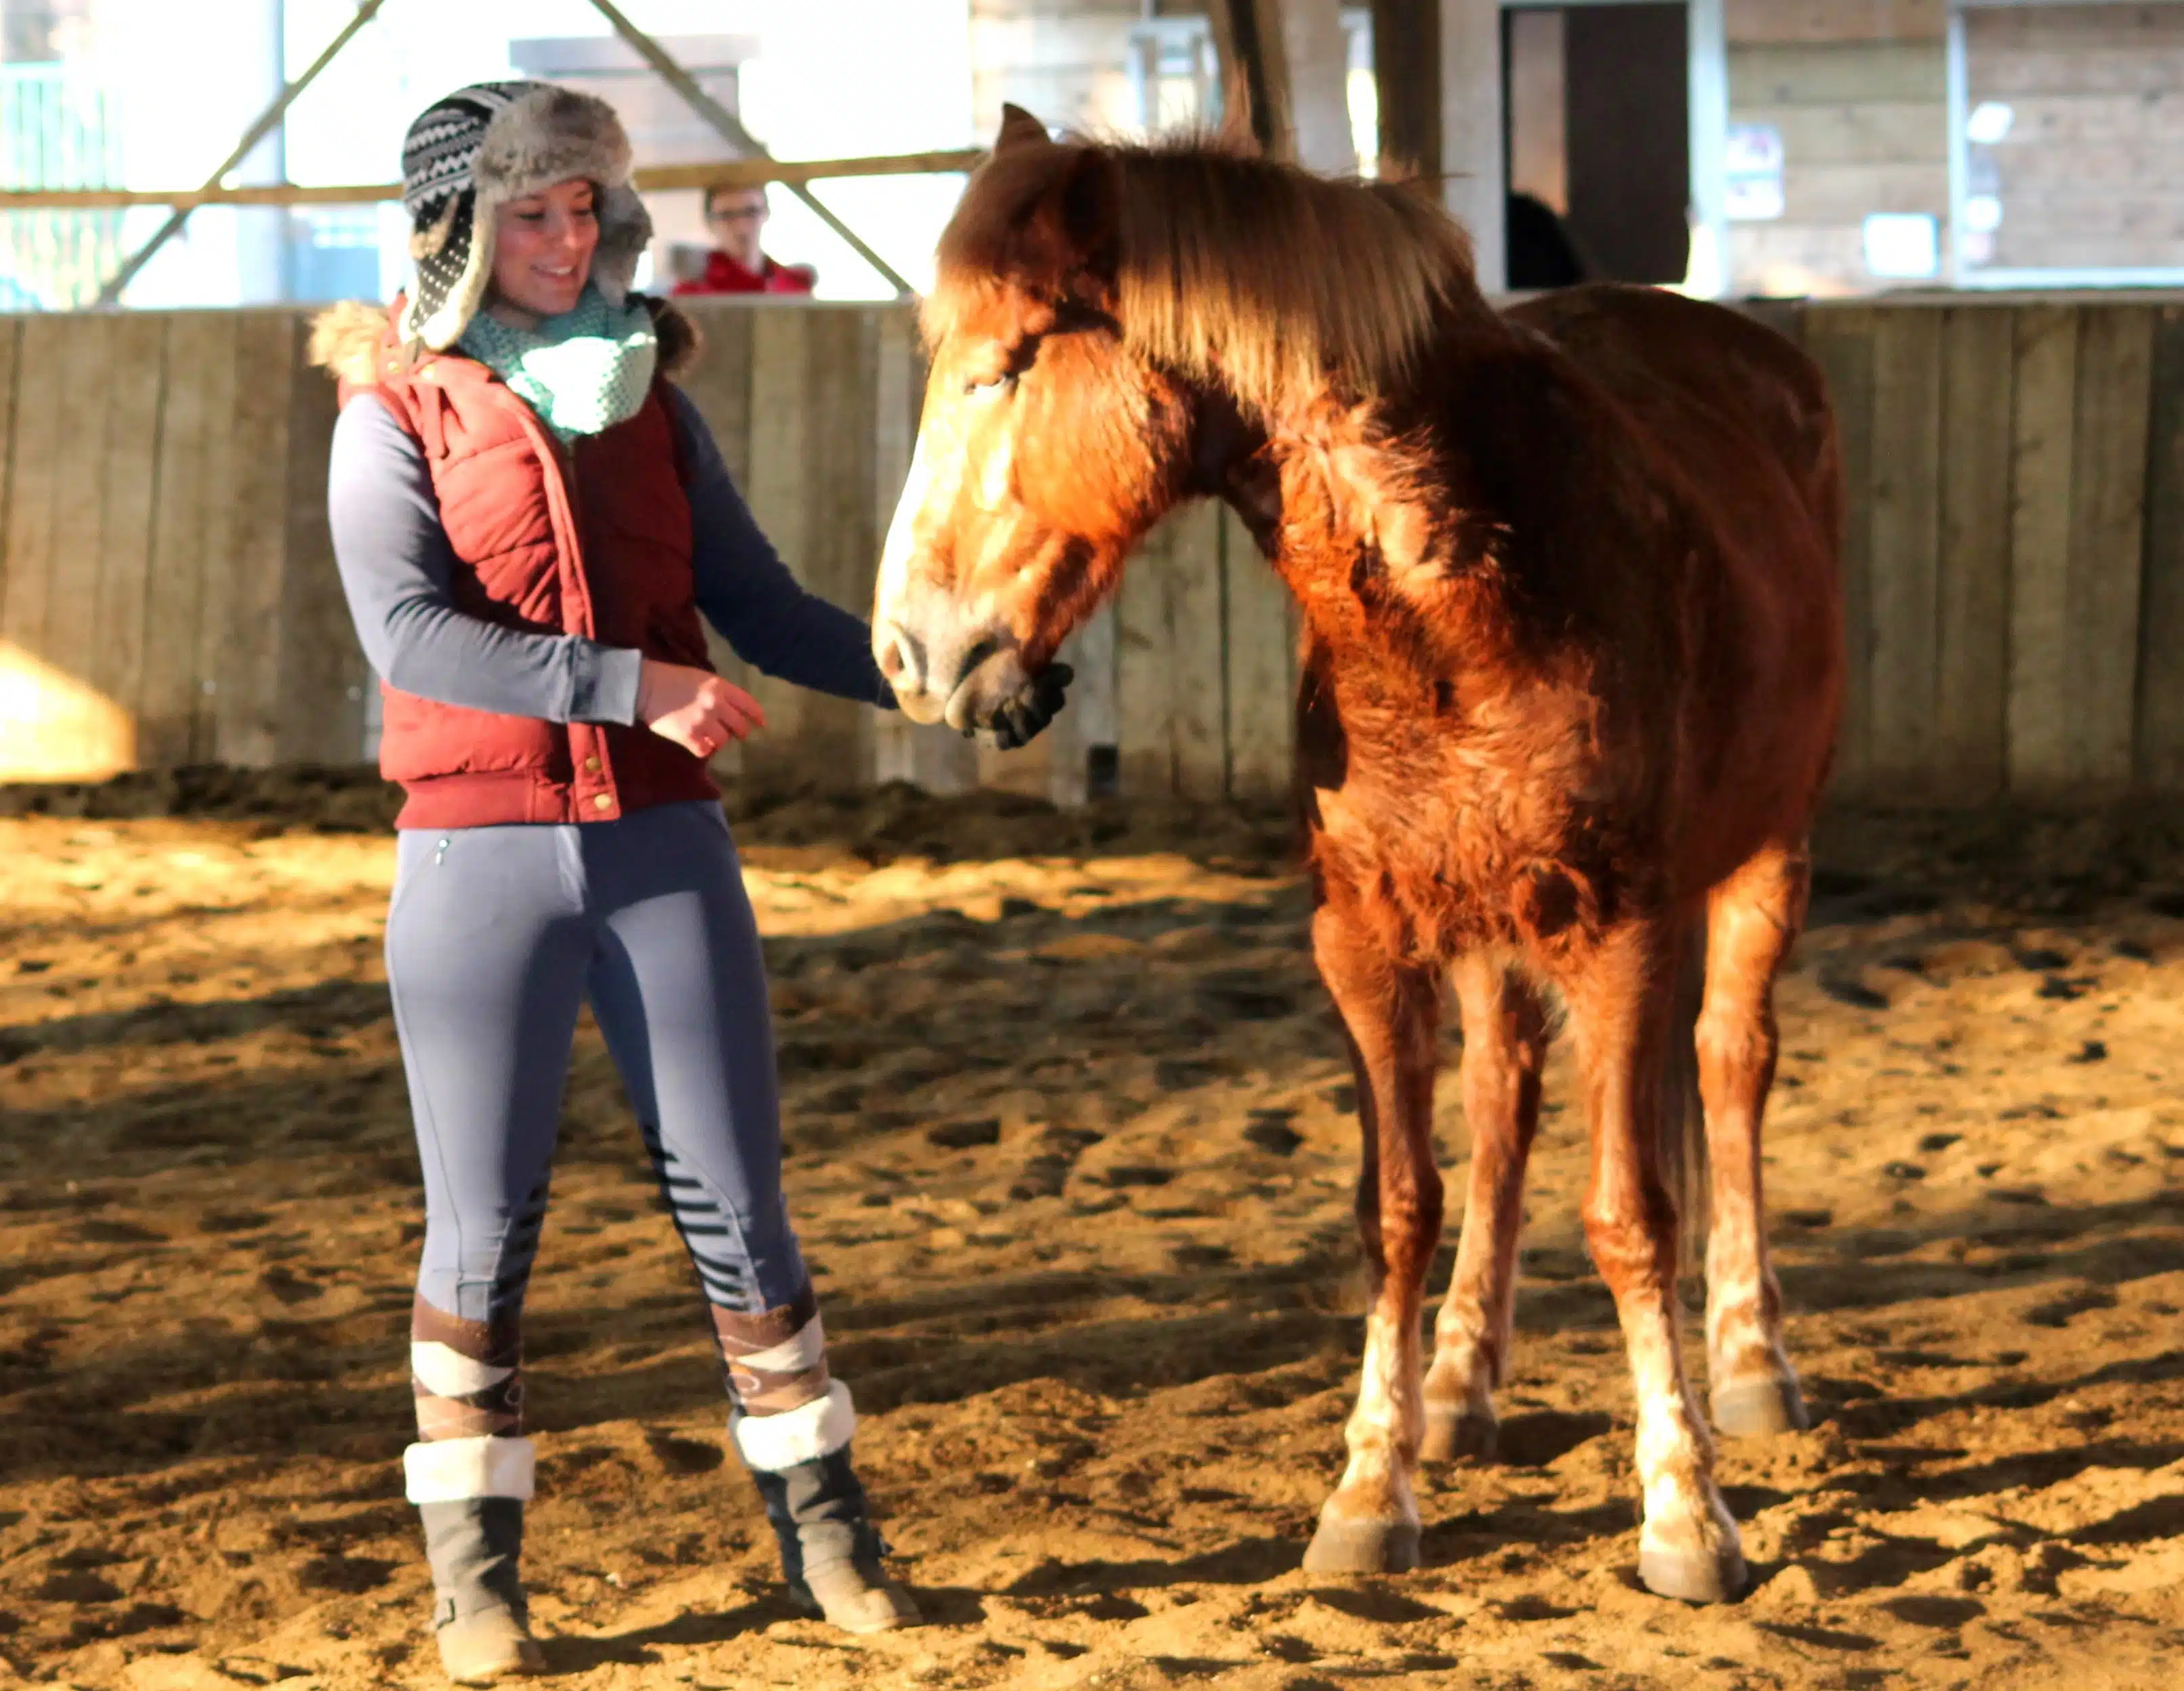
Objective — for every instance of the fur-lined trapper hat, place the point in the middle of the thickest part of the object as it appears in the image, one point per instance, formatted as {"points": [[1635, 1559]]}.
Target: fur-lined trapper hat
{"points": [[470, 153]]}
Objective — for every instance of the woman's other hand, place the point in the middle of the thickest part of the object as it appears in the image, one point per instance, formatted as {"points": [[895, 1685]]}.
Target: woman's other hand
{"points": [[694, 707]]}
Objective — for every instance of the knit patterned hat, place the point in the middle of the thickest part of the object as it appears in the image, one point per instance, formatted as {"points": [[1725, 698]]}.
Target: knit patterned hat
{"points": [[473, 151]]}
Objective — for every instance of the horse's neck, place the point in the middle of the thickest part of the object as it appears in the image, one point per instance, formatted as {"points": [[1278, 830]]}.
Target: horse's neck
{"points": [[1370, 514]]}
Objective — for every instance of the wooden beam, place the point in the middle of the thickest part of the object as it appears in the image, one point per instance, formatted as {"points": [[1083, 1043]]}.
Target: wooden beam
{"points": [[366, 12], [658, 178], [1254, 64], [1406, 70], [1473, 179], [1438, 65], [1317, 49], [724, 124]]}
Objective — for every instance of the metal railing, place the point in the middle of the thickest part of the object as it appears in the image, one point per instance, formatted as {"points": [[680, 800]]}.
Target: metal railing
{"points": [[55, 133]]}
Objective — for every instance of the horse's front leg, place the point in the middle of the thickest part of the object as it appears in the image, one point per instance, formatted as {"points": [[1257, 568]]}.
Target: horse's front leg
{"points": [[1370, 1523], [1621, 1008], [1505, 1046]]}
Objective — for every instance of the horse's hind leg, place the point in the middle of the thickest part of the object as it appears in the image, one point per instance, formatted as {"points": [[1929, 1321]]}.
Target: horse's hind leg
{"points": [[1370, 1523], [1753, 918], [1621, 1009], [1505, 1042]]}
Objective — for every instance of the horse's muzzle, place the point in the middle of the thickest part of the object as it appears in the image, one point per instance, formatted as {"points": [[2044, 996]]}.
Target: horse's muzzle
{"points": [[962, 681]]}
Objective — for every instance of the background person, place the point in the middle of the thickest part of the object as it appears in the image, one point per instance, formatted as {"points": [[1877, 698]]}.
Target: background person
{"points": [[737, 263], [529, 519]]}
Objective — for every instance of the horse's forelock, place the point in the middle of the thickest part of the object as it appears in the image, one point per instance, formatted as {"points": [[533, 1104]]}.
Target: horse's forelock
{"points": [[1229, 268]]}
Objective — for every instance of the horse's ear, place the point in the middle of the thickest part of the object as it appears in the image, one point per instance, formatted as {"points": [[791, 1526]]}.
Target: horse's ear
{"points": [[1019, 128]]}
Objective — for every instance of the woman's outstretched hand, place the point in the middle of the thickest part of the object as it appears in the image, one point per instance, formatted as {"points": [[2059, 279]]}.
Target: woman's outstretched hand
{"points": [[693, 707]]}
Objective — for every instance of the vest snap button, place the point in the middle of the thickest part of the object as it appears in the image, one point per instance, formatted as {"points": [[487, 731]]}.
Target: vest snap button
{"points": [[591, 766], [605, 801]]}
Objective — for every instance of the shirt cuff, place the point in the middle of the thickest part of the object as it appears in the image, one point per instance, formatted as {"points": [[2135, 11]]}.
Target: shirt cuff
{"points": [[604, 687]]}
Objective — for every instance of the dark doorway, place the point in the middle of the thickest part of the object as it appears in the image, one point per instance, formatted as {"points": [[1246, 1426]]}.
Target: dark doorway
{"points": [[1599, 133]]}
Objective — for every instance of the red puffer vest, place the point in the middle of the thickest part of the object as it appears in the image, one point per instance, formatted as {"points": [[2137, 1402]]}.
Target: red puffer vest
{"points": [[591, 539]]}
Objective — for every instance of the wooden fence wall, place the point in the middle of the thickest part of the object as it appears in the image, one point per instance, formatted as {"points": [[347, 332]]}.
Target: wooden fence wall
{"points": [[2015, 560]]}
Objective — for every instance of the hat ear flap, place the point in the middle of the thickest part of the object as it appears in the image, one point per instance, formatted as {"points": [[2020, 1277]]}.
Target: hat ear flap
{"points": [[625, 229], [452, 279]]}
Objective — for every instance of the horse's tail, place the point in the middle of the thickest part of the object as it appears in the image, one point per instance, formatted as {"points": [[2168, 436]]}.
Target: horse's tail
{"points": [[1683, 1148]]}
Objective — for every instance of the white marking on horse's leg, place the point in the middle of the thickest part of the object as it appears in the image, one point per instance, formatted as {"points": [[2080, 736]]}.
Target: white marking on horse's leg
{"points": [[1621, 1009], [1754, 919], [1370, 1522], [1504, 1046], [1384, 1429]]}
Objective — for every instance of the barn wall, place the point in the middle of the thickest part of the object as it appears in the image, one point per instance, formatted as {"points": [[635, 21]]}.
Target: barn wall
{"points": [[1859, 92], [2015, 555], [2086, 175]]}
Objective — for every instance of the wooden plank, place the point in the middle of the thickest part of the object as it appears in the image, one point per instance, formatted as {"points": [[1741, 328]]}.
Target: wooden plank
{"points": [[1841, 341], [1145, 677], [1092, 699], [1262, 653], [1198, 700], [1809, 74], [841, 540], [76, 736], [2043, 428], [2158, 757], [1834, 20], [2107, 528], [2153, 67], [53, 724], [128, 487], [1905, 516], [323, 673], [2044, 32], [245, 671], [11, 342], [719, 385], [780, 493], [195, 407], [1872, 132], [1845, 194], [1972, 664]]}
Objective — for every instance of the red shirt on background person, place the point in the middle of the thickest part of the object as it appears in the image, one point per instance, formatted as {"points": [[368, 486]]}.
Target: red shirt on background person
{"points": [[736, 264]]}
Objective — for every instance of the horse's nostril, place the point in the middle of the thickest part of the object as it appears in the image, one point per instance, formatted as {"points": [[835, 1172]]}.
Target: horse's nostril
{"points": [[900, 656]]}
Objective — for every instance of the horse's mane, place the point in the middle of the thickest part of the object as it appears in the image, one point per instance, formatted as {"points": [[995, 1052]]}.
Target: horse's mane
{"points": [[1235, 269]]}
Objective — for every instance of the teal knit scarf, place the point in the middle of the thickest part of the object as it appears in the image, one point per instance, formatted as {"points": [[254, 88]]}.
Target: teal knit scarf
{"points": [[582, 371]]}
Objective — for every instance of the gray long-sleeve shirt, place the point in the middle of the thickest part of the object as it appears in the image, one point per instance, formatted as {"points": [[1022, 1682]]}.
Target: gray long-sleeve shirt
{"points": [[398, 568]]}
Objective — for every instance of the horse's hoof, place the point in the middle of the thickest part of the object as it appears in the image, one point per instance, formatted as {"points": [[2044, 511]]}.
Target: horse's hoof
{"points": [[1362, 1547], [1691, 1576], [1758, 1408], [1455, 1434]]}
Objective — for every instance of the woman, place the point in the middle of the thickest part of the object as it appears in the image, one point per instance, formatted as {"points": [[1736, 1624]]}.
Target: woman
{"points": [[529, 520]]}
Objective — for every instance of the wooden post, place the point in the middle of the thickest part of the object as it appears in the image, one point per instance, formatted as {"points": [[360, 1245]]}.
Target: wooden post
{"points": [[1438, 63], [1319, 54], [1473, 182], [1291, 59], [1254, 67]]}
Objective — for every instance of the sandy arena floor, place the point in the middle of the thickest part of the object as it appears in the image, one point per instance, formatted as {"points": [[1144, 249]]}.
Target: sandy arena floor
{"points": [[1072, 1152]]}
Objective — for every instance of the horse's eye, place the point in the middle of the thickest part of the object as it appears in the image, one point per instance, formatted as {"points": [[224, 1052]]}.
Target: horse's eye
{"points": [[990, 385]]}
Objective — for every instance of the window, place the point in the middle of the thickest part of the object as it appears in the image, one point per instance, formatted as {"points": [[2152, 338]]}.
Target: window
{"points": [[2064, 127]]}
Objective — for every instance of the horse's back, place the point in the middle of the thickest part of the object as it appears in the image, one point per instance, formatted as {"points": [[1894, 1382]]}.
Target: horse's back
{"points": [[1739, 416], [1700, 375]]}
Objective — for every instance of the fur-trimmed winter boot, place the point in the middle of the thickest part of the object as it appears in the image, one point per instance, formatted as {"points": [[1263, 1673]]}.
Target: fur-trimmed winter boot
{"points": [[480, 1618], [830, 1549]]}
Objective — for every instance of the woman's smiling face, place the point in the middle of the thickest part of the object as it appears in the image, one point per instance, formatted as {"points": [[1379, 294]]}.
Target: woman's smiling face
{"points": [[542, 248]]}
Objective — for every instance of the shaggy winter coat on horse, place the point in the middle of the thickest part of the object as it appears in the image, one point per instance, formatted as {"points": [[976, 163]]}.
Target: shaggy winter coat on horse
{"points": [[1572, 672]]}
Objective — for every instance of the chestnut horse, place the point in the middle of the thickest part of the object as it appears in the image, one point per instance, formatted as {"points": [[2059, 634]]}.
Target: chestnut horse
{"points": [[1572, 672]]}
